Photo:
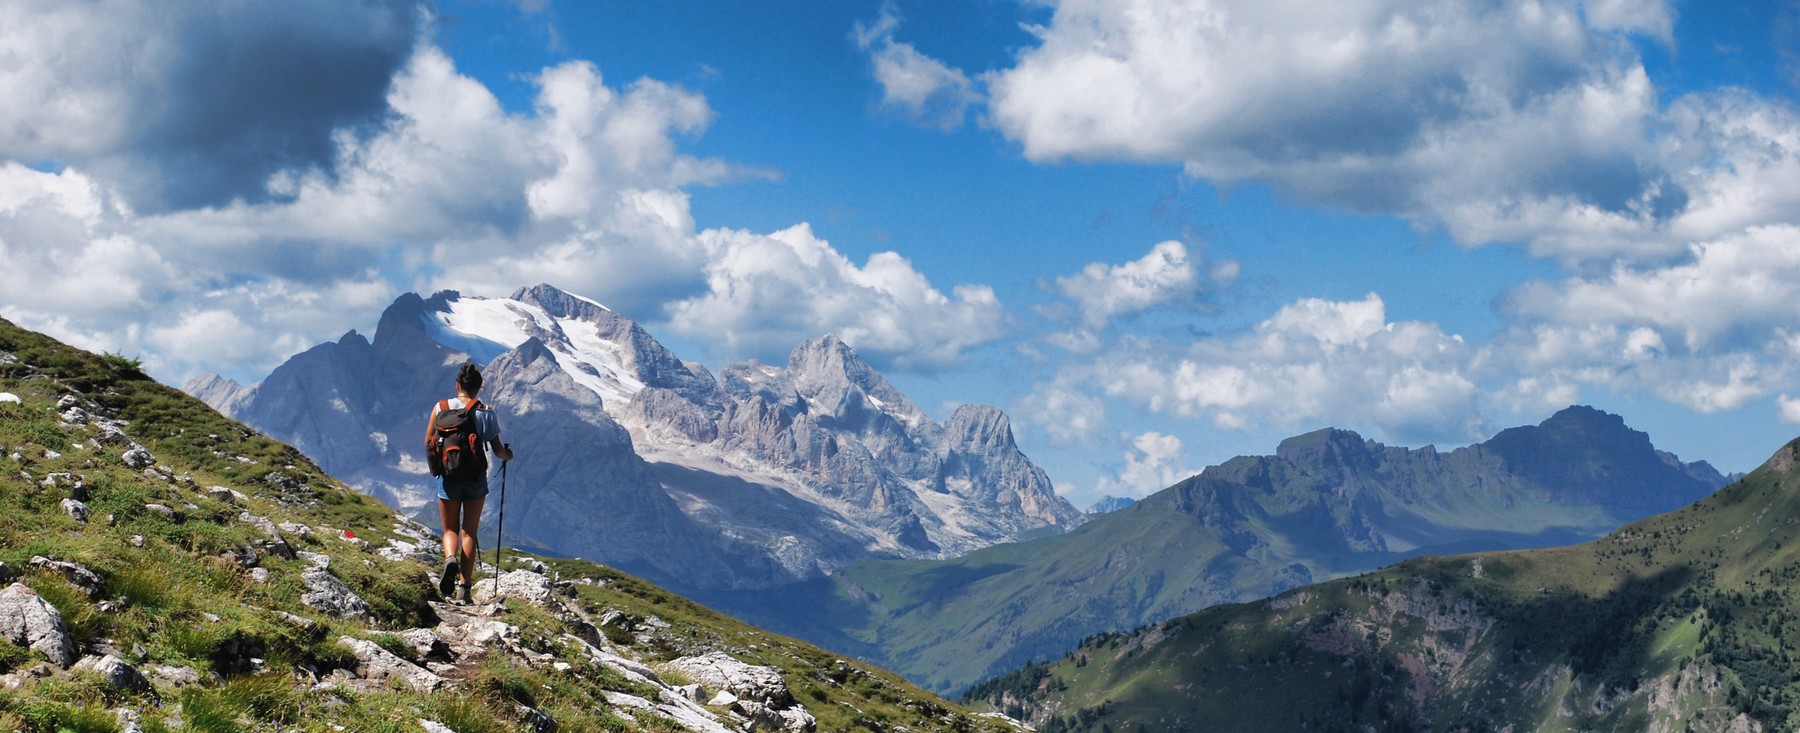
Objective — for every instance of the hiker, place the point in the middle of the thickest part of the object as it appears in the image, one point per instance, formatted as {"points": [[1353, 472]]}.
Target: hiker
{"points": [[456, 441]]}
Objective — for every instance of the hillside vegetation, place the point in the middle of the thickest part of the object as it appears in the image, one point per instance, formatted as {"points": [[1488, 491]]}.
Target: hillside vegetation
{"points": [[1684, 621], [168, 569]]}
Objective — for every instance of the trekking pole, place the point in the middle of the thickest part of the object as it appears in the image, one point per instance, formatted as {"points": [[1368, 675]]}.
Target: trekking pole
{"points": [[500, 527]]}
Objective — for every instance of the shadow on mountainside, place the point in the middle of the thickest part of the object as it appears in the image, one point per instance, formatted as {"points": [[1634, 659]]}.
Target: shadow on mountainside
{"points": [[1413, 648]]}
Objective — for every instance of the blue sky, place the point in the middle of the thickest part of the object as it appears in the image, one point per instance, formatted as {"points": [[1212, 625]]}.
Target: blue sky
{"points": [[1159, 233]]}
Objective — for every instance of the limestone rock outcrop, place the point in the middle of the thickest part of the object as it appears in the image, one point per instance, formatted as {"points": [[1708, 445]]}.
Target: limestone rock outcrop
{"points": [[28, 620]]}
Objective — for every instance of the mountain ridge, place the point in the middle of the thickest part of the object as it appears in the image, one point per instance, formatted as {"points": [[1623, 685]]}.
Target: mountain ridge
{"points": [[826, 436], [1679, 621], [1327, 503]]}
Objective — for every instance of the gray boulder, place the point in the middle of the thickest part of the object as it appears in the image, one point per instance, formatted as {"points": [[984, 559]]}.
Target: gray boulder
{"points": [[427, 646], [376, 663], [717, 671], [28, 620], [761, 695], [77, 575], [117, 673], [75, 509], [175, 676], [276, 543], [326, 593], [524, 585], [138, 457]]}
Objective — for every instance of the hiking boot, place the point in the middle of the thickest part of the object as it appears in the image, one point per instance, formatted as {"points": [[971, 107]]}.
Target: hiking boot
{"points": [[464, 597], [447, 583]]}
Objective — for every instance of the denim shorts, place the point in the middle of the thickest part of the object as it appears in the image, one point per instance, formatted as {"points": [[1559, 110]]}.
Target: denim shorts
{"points": [[469, 490]]}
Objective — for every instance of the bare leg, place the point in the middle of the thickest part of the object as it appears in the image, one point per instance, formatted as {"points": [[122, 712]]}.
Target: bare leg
{"points": [[450, 513], [471, 523]]}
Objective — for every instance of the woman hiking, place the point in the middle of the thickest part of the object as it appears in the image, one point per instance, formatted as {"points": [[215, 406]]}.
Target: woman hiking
{"points": [[457, 438]]}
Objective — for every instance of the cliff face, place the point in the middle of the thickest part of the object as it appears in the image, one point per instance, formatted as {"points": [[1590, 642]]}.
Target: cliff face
{"points": [[757, 477]]}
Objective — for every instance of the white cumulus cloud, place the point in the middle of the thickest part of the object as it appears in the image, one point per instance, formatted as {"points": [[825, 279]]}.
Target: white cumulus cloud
{"points": [[195, 103], [926, 91], [586, 190], [1152, 463], [1315, 360], [1711, 332], [766, 293], [1068, 412], [1790, 408], [1104, 292], [1512, 121]]}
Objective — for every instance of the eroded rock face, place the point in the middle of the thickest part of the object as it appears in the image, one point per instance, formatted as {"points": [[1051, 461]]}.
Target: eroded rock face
{"points": [[28, 620]]}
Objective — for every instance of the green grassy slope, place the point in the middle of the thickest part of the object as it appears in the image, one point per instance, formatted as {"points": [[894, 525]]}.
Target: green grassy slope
{"points": [[175, 592], [1684, 621]]}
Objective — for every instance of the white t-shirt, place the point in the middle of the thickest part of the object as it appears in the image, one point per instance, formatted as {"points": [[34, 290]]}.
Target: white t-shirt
{"points": [[487, 424]]}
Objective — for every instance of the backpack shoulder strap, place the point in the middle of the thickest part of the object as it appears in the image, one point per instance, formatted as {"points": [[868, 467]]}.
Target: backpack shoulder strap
{"points": [[431, 422]]}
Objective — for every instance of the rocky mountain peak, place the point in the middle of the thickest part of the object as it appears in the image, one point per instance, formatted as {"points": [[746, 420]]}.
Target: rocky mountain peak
{"points": [[980, 425], [1604, 427], [559, 303], [1325, 446], [1574, 433], [825, 368], [1109, 504], [656, 452], [532, 362], [222, 393], [828, 358], [402, 325]]}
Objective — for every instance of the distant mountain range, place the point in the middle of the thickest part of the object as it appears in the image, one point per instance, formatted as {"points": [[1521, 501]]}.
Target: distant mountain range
{"points": [[1327, 504], [1683, 621], [816, 499], [757, 477], [1108, 504]]}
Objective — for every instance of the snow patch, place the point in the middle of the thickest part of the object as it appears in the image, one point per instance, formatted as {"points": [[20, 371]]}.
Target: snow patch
{"points": [[605, 371], [483, 328]]}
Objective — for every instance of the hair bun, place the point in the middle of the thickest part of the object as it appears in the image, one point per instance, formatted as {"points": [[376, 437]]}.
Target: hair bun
{"points": [[469, 378]]}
